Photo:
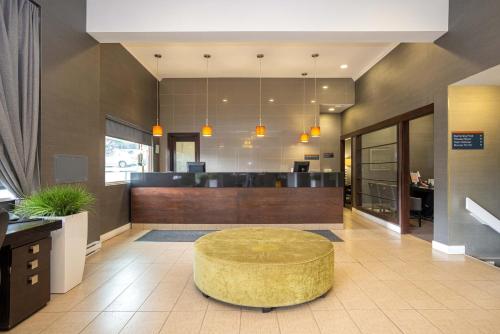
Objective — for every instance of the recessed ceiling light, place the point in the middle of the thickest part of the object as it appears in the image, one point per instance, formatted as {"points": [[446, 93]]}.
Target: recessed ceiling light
{"points": [[313, 101], [331, 109], [325, 87], [224, 100], [344, 66], [271, 100]]}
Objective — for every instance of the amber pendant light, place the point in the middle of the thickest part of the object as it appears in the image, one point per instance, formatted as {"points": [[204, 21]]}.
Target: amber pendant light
{"points": [[304, 136], [315, 129], [157, 129], [260, 130], [206, 130]]}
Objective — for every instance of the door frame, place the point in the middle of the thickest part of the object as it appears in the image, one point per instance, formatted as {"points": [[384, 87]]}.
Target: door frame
{"points": [[402, 123], [175, 137], [342, 170]]}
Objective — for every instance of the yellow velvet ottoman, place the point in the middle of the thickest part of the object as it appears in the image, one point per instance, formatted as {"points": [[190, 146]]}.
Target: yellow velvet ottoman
{"points": [[263, 267]]}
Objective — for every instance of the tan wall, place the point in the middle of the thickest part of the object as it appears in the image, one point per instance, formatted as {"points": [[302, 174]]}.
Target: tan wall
{"points": [[183, 110], [476, 173]]}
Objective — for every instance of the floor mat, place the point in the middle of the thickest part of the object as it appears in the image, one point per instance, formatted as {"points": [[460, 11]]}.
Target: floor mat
{"points": [[193, 235]]}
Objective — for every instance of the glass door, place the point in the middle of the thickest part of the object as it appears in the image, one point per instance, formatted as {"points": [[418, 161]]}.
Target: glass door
{"points": [[378, 177]]}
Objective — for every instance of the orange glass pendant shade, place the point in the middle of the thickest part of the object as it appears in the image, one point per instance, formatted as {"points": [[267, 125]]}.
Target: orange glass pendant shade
{"points": [[206, 131], [157, 131], [315, 131], [304, 138], [260, 130]]}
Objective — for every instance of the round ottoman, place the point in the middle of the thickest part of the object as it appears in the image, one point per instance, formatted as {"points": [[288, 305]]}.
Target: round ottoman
{"points": [[263, 267]]}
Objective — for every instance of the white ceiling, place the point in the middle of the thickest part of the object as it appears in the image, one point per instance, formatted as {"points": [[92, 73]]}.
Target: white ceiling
{"points": [[490, 77], [185, 60]]}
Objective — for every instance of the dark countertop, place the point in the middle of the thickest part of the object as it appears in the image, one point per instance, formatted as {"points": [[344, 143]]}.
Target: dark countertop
{"points": [[19, 233], [237, 180]]}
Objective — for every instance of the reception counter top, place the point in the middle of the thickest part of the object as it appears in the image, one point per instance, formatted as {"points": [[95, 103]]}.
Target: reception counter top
{"points": [[237, 180], [222, 200]]}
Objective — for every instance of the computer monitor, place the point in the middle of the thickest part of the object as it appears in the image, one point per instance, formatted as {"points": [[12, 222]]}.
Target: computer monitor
{"points": [[196, 167], [300, 166]]}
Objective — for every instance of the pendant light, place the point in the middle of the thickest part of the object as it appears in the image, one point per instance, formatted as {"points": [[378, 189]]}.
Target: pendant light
{"points": [[304, 136], [260, 130], [206, 130], [315, 130], [157, 129]]}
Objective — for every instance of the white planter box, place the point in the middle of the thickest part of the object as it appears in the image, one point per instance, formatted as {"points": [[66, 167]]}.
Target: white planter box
{"points": [[67, 258]]}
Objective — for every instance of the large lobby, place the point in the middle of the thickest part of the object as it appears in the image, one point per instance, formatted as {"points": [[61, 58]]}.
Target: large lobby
{"points": [[232, 167]]}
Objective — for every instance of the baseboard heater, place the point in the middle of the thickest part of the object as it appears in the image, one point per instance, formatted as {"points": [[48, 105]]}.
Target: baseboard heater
{"points": [[93, 247]]}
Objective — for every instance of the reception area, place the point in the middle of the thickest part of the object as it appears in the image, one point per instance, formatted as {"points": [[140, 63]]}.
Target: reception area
{"points": [[227, 167]]}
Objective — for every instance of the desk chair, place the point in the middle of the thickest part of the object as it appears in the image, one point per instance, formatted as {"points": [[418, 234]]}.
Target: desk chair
{"points": [[416, 206]]}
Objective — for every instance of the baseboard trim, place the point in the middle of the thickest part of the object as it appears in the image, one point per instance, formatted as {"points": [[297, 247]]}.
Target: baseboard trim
{"points": [[376, 220], [454, 249], [175, 227], [93, 247], [115, 232]]}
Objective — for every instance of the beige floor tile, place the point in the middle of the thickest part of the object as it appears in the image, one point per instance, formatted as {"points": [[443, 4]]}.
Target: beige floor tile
{"points": [[215, 322], [335, 322], [297, 320], [36, 323], [132, 297], [163, 297], [215, 305], [108, 323], [449, 322], [328, 302], [256, 322], [373, 322], [145, 323], [191, 299], [414, 296], [72, 322], [488, 322], [411, 322], [183, 323]]}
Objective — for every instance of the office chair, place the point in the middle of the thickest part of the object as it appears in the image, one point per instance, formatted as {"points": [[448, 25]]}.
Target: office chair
{"points": [[416, 206]]}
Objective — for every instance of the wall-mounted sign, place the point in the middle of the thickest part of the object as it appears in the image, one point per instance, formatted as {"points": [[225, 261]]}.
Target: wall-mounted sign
{"points": [[328, 155], [467, 140], [311, 156]]}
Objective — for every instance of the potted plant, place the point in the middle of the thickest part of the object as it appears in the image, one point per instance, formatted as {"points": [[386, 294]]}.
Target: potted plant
{"points": [[68, 203]]}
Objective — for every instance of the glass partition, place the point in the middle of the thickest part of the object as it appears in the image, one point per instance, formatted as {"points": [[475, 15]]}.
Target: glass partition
{"points": [[378, 167]]}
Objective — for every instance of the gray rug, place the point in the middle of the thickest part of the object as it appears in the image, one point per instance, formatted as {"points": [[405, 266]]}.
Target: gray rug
{"points": [[190, 236]]}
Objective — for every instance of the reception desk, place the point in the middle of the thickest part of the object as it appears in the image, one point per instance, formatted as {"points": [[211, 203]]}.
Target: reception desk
{"points": [[219, 200]]}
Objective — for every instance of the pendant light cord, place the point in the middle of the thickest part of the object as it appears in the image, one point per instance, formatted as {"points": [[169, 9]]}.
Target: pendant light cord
{"points": [[260, 91], [304, 102], [157, 90], [206, 119], [315, 89]]}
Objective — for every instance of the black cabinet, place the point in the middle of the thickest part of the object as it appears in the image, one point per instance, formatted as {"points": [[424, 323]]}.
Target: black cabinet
{"points": [[25, 274]]}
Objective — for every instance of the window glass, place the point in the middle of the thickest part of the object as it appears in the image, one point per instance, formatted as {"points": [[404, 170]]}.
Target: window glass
{"points": [[5, 194], [379, 173], [123, 157]]}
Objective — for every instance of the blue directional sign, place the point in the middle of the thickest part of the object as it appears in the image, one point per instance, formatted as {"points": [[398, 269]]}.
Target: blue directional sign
{"points": [[467, 140]]}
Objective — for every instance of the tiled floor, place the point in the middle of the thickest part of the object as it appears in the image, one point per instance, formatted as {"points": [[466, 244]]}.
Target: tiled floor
{"points": [[384, 283]]}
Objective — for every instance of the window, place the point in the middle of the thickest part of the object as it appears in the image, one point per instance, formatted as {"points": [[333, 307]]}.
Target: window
{"points": [[5, 194], [124, 157], [127, 150]]}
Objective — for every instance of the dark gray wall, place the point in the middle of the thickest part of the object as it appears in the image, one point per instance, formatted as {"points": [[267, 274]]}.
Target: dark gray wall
{"points": [[183, 106], [422, 146], [82, 81], [414, 75], [127, 92], [70, 118]]}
